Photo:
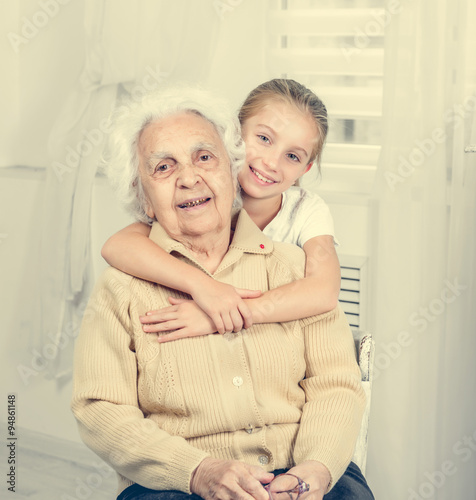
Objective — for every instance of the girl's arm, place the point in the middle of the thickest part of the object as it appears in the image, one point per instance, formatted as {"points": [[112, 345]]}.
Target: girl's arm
{"points": [[316, 293], [131, 251]]}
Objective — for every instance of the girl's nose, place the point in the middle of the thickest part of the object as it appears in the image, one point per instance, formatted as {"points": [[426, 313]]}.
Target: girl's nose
{"points": [[271, 160]]}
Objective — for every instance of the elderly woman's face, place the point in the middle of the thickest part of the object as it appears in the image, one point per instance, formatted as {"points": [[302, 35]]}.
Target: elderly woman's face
{"points": [[186, 175]]}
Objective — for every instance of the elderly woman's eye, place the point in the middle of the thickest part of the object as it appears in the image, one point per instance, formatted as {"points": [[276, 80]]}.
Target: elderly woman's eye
{"points": [[162, 168], [205, 157]]}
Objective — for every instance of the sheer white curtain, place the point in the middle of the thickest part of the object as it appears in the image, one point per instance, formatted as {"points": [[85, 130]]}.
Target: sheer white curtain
{"points": [[130, 47], [422, 441]]}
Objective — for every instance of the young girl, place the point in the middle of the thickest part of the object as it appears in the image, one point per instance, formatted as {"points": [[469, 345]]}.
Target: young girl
{"points": [[284, 127]]}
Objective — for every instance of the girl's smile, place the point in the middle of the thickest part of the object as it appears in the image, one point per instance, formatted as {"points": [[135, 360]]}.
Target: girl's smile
{"points": [[261, 177]]}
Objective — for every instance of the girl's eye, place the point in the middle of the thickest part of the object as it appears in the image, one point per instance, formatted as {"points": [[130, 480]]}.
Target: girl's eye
{"points": [[263, 138], [293, 157]]}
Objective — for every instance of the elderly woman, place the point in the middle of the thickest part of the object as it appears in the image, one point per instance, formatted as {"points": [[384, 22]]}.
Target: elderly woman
{"points": [[211, 415]]}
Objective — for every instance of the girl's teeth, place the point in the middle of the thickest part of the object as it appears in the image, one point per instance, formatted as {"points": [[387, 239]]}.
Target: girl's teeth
{"points": [[260, 177]]}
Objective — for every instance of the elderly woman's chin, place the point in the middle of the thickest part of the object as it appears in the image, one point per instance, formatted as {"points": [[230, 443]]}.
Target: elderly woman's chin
{"points": [[205, 219]]}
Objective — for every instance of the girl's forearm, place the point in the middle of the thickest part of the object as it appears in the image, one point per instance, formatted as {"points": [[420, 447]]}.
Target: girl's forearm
{"points": [[297, 300], [317, 293], [135, 254]]}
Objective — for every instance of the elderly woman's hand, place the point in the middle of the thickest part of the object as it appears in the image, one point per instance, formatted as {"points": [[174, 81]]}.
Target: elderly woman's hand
{"points": [[229, 479], [316, 475]]}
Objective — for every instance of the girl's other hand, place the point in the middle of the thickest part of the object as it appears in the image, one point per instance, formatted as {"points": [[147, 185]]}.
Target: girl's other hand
{"points": [[183, 319]]}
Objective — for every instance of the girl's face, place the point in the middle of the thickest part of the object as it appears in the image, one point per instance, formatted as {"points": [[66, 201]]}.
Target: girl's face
{"points": [[279, 142]]}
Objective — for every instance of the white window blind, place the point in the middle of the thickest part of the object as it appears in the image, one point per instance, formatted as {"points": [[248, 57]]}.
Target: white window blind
{"points": [[335, 47], [353, 293]]}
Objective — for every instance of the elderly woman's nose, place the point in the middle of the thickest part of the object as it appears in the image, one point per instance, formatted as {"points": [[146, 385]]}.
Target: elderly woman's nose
{"points": [[188, 175]]}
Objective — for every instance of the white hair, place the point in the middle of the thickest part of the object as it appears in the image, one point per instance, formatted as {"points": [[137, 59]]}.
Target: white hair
{"points": [[130, 119]]}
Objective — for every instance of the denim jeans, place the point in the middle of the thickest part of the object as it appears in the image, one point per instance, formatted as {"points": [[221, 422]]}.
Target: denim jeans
{"points": [[351, 486]]}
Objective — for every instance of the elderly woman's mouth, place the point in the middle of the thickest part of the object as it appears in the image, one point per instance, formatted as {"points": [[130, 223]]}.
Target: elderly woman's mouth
{"points": [[194, 203]]}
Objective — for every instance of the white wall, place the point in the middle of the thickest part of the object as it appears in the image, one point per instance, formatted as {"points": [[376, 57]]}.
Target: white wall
{"points": [[41, 404], [39, 66]]}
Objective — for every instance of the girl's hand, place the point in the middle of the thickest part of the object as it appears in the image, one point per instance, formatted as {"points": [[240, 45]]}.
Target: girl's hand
{"points": [[224, 305], [229, 479], [184, 318]]}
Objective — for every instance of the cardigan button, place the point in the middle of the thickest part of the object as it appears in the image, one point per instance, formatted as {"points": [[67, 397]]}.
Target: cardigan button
{"points": [[263, 459], [237, 381]]}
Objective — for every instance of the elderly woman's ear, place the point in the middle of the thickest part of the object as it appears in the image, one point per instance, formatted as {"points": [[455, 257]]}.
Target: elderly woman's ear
{"points": [[148, 209], [143, 199]]}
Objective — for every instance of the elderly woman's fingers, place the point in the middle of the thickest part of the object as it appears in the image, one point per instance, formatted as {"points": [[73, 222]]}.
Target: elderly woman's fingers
{"points": [[253, 488], [229, 479], [316, 475]]}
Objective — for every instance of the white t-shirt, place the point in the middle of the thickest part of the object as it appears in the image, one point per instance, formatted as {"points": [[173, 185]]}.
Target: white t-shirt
{"points": [[303, 215]]}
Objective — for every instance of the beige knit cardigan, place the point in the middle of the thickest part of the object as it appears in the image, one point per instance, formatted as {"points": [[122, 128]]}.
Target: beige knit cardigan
{"points": [[272, 395]]}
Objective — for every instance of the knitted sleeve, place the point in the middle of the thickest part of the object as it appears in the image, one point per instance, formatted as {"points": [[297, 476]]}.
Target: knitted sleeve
{"points": [[335, 399], [105, 401]]}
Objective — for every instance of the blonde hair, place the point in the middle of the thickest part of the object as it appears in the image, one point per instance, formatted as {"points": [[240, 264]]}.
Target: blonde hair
{"points": [[294, 93]]}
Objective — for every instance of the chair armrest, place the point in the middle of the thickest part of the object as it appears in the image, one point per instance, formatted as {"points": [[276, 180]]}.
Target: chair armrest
{"points": [[365, 351]]}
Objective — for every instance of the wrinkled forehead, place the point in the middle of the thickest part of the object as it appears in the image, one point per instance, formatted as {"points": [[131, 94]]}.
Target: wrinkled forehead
{"points": [[183, 125], [178, 131]]}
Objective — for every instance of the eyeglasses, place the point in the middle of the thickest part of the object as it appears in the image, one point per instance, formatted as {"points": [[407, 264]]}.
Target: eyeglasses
{"points": [[286, 487]]}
